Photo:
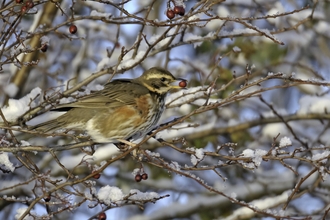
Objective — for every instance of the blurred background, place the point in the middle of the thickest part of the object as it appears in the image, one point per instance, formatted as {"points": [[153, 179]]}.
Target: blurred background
{"points": [[247, 139]]}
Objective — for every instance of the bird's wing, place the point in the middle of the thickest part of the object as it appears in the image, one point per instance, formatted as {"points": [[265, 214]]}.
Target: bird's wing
{"points": [[115, 94]]}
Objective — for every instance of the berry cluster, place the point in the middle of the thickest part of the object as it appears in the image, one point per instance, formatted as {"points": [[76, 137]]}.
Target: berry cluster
{"points": [[27, 6], [139, 177], [177, 10], [44, 47]]}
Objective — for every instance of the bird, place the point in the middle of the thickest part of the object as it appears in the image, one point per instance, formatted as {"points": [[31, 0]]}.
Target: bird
{"points": [[125, 109]]}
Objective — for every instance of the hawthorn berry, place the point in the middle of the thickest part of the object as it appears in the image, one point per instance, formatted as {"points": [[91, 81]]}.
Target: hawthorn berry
{"points": [[138, 178], [102, 216], [73, 29], [183, 83], [170, 14], [24, 9], [29, 4], [97, 176], [144, 176], [179, 10]]}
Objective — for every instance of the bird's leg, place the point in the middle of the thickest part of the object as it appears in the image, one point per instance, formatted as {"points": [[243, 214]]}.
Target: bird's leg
{"points": [[124, 145], [126, 142], [121, 146], [127, 145]]}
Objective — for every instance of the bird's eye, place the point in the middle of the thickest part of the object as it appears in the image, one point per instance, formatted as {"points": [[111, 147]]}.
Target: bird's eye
{"points": [[163, 79]]}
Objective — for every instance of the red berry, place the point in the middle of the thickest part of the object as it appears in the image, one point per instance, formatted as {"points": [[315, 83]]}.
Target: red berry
{"points": [[44, 48], [102, 216], [176, 9], [97, 176], [117, 45], [73, 29], [183, 83], [145, 176], [179, 10], [170, 14], [138, 178], [19, 1], [182, 11], [29, 4], [24, 9]]}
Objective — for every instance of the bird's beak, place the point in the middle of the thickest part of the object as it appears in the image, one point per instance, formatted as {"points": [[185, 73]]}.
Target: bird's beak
{"points": [[179, 83]]}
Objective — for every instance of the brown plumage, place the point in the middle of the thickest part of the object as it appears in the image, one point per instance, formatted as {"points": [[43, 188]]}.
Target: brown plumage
{"points": [[125, 108]]}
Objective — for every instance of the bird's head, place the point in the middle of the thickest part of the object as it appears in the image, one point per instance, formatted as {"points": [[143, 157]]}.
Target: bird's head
{"points": [[159, 80]]}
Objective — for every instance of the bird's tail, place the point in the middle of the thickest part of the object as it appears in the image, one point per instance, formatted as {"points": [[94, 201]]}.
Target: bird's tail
{"points": [[47, 126]]}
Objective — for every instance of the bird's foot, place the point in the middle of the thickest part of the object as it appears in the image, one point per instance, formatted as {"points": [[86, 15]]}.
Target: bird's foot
{"points": [[124, 145]]}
